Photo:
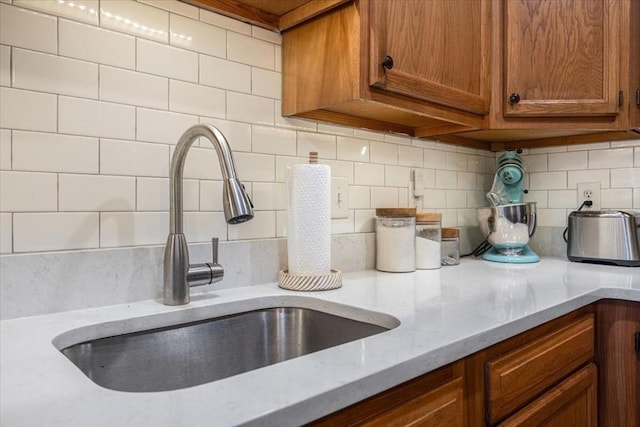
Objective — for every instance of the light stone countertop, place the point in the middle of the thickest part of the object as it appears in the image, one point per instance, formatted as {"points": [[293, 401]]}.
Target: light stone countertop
{"points": [[445, 315]]}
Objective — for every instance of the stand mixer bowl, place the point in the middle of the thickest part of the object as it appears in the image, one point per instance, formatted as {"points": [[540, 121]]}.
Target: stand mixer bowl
{"points": [[508, 227]]}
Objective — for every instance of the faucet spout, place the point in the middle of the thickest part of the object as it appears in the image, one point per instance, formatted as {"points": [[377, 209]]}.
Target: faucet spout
{"points": [[178, 274]]}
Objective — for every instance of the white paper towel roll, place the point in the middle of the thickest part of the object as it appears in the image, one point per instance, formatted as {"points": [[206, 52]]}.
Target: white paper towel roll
{"points": [[309, 219]]}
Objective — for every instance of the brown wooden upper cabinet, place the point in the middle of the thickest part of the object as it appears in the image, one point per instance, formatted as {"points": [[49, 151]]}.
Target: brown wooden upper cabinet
{"points": [[561, 58], [483, 73], [432, 50]]}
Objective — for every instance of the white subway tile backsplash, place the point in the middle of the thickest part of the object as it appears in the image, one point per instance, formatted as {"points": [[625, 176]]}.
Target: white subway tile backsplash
{"points": [[352, 149], [365, 221], [536, 162], [135, 18], [446, 180], [238, 134], [476, 199], [133, 158], [152, 194], [28, 29], [225, 74], [250, 51], [133, 228], [211, 196], [255, 167], [92, 193], [292, 123], [576, 177], [174, 6], [6, 233], [410, 156], [266, 35], [324, 145], [79, 10], [202, 163], [199, 36], [423, 143], [34, 232], [162, 126], [456, 161], [548, 180], [551, 218], [384, 153], [359, 197], [250, 109], [397, 139], [28, 191], [340, 168], [625, 178], [367, 134], [266, 83], [50, 73], [574, 160], [434, 199], [613, 158], [133, 88], [269, 196], [563, 199], [262, 226], [195, 99], [616, 198], [284, 163], [466, 181], [368, 174], [272, 140], [225, 22], [456, 199], [636, 198], [97, 45], [5, 66], [621, 144], [335, 129], [5, 149], [467, 218], [23, 109], [384, 197], [435, 159], [592, 146], [343, 225], [636, 161], [94, 118], [396, 176], [167, 61], [202, 226], [50, 152], [476, 164], [540, 197]]}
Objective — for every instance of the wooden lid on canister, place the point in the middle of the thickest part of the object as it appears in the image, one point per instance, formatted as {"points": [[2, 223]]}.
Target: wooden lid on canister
{"points": [[450, 232], [429, 217], [396, 212]]}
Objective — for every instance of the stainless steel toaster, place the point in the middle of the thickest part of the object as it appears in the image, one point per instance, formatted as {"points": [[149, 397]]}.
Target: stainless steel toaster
{"points": [[605, 237]]}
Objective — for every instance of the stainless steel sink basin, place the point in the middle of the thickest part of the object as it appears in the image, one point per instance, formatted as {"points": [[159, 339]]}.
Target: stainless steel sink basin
{"points": [[190, 354]]}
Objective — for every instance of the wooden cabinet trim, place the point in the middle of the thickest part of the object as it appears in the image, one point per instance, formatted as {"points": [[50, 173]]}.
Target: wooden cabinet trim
{"points": [[581, 385], [520, 375]]}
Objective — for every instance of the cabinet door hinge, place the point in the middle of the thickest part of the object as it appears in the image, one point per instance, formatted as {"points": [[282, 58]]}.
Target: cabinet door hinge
{"points": [[637, 342], [620, 98]]}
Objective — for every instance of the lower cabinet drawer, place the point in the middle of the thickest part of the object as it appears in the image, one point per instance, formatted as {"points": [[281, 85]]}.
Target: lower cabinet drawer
{"points": [[572, 403], [521, 375]]}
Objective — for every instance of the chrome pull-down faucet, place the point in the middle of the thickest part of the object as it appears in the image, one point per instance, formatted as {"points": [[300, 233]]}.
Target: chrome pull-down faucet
{"points": [[178, 274]]}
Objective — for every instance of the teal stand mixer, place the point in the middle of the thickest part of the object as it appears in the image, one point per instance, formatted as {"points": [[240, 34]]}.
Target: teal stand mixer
{"points": [[508, 223]]}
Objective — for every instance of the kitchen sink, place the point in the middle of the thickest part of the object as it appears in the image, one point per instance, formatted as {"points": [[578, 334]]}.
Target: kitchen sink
{"points": [[190, 354]]}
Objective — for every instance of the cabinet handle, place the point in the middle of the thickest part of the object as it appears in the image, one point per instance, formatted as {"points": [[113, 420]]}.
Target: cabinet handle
{"points": [[637, 342], [638, 97], [388, 62], [514, 98]]}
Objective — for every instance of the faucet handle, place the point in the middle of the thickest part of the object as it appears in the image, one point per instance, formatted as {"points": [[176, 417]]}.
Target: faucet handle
{"points": [[214, 249]]}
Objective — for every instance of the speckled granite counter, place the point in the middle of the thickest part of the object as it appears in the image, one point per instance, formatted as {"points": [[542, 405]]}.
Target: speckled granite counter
{"points": [[445, 315]]}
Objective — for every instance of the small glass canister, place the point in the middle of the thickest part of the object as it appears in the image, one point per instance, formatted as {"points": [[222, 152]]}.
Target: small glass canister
{"points": [[450, 246], [395, 240], [428, 226]]}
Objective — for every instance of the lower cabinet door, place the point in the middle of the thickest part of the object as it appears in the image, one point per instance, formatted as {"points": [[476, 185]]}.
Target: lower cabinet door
{"points": [[572, 403]]}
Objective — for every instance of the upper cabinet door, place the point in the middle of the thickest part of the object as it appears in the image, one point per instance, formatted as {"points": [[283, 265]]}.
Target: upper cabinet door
{"points": [[561, 57], [435, 50]]}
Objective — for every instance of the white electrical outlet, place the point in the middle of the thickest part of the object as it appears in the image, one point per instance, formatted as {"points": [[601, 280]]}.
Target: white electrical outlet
{"points": [[339, 198], [589, 191]]}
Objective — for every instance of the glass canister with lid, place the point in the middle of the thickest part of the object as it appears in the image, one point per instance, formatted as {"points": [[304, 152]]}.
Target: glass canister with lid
{"points": [[395, 240], [428, 236], [450, 246]]}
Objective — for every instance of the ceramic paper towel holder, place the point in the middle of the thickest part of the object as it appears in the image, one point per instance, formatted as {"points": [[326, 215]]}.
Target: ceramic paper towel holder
{"points": [[301, 282], [309, 229]]}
